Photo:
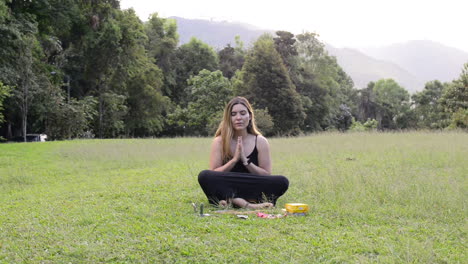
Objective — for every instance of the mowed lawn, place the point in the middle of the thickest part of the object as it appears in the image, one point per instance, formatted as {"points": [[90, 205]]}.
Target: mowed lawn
{"points": [[373, 197]]}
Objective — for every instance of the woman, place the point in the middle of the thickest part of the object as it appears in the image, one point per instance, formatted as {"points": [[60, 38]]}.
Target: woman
{"points": [[240, 163]]}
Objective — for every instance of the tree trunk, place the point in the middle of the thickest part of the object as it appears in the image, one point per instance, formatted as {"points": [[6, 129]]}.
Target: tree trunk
{"points": [[27, 82], [24, 124], [9, 133], [24, 109], [100, 116]]}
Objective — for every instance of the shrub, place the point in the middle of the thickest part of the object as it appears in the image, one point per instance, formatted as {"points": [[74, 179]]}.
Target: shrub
{"points": [[459, 119], [264, 121], [369, 125]]}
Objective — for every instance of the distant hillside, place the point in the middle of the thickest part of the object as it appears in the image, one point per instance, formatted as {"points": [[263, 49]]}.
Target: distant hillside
{"points": [[427, 60], [364, 69], [411, 64], [216, 34]]}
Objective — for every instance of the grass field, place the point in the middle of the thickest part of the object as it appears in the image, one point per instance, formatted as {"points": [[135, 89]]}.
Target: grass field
{"points": [[375, 197]]}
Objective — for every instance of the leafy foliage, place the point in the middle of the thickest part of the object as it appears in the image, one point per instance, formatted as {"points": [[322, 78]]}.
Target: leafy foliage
{"points": [[393, 100], [369, 125], [161, 46], [284, 44], [231, 59], [191, 58], [387, 102], [4, 93], [209, 93], [264, 121], [146, 104], [266, 83], [325, 88], [455, 100], [427, 109], [84, 68]]}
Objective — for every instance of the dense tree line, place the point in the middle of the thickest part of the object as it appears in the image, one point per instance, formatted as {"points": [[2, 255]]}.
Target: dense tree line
{"points": [[87, 68]]}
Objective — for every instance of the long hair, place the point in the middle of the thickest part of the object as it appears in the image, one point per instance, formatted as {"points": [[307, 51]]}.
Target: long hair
{"points": [[226, 130]]}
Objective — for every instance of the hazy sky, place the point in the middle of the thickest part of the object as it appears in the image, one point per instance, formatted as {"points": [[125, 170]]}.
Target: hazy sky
{"points": [[342, 23]]}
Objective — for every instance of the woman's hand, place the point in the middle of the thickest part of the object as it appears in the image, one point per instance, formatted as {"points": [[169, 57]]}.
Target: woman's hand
{"points": [[263, 167], [239, 154]]}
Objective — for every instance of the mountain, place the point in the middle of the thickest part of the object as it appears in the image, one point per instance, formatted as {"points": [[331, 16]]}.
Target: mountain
{"points": [[216, 33], [411, 64], [427, 60], [363, 69]]}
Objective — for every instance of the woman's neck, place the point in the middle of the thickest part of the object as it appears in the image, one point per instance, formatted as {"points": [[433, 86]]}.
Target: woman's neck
{"points": [[241, 133]]}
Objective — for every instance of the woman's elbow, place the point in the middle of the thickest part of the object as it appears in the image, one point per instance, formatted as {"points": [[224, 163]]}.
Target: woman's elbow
{"points": [[266, 172]]}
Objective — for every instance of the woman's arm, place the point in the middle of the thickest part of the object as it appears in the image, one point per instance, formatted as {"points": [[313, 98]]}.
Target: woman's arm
{"points": [[264, 158], [216, 157]]}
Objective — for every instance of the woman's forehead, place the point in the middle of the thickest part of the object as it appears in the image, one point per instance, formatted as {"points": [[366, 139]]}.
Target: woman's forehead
{"points": [[239, 107]]}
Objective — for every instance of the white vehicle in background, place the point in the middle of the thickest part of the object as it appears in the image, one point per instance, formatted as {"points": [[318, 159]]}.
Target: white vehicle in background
{"points": [[31, 138]]}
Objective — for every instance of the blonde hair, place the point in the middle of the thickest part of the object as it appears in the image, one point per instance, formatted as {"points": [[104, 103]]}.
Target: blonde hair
{"points": [[226, 130]]}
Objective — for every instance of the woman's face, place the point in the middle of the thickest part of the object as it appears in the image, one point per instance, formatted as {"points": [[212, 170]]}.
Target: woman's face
{"points": [[240, 117]]}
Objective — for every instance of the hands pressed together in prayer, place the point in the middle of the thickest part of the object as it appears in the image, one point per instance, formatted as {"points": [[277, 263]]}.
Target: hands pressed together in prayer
{"points": [[240, 154]]}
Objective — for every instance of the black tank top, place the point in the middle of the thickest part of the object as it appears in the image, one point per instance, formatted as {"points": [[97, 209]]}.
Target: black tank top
{"points": [[253, 157]]}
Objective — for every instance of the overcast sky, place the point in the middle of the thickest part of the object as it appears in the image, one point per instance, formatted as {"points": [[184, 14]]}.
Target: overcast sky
{"points": [[342, 23]]}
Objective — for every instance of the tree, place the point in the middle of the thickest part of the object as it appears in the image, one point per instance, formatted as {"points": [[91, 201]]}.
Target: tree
{"points": [[103, 53], [455, 100], [113, 56], [428, 111], [209, 93], [146, 103], [96, 59], [27, 81], [18, 43], [4, 89], [266, 83], [231, 59], [264, 121], [387, 102], [325, 88], [93, 50], [366, 103], [161, 46], [29, 54], [192, 57], [112, 111], [393, 102], [3, 11], [66, 119], [10, 32], [143, 81], [4, 93], [284, 44]]}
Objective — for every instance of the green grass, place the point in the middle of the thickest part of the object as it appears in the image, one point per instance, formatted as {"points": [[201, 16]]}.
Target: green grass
{"points": [[374, 197]]}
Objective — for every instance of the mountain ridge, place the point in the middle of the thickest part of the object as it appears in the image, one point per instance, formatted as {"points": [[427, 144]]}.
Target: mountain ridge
{"points": [[364, 69], [411, 65], [220, 33], [423, 58]]}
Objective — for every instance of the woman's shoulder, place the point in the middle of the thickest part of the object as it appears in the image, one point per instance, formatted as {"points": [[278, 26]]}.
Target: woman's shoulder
{"points": [[261, 141], [217, 143]]}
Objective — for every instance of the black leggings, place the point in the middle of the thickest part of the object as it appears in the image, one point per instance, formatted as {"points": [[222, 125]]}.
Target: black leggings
{"points": [[227, 185]]}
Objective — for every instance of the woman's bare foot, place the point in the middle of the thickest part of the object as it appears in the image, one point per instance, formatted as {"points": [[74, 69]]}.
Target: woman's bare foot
{"points": [[259, 206], [223, 203]]}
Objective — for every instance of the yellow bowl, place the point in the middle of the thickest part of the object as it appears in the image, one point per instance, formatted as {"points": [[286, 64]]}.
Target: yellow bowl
{"points": [[297, 208]]}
